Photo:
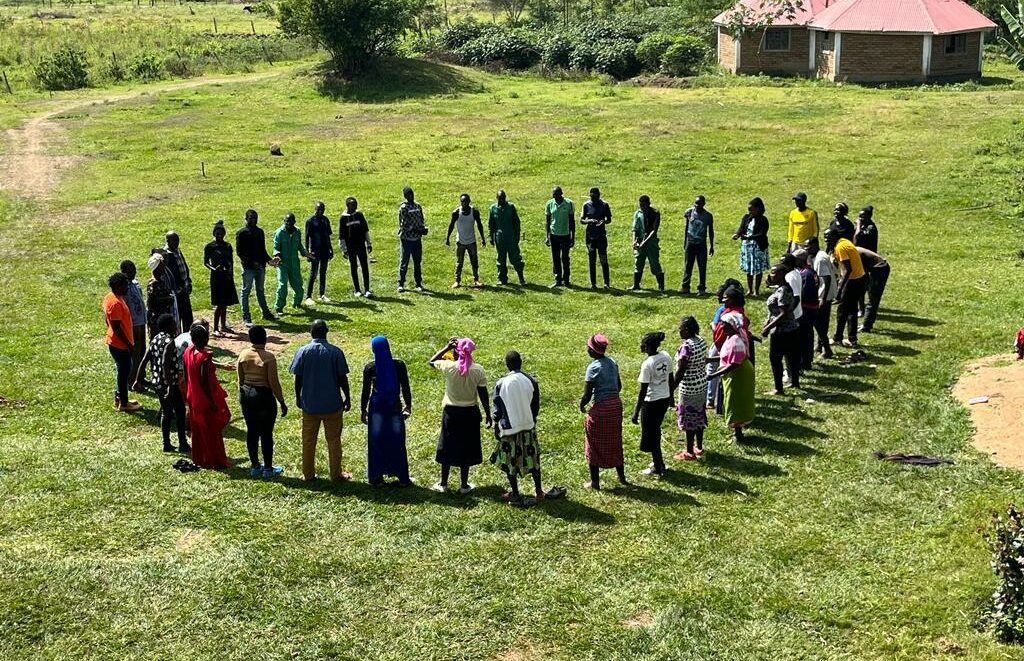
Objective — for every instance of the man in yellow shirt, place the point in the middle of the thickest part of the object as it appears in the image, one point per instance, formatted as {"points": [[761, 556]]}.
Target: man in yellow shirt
{"points": [[851, 285], [803, 222]]}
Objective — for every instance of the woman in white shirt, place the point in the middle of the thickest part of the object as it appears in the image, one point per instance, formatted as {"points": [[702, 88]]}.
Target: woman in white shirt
{"points": [[653, 400]]}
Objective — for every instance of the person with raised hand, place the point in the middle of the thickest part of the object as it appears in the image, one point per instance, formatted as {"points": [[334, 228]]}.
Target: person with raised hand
{"points": [[465, 382]]}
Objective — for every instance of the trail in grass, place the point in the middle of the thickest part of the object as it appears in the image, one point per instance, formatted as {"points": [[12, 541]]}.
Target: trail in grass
{"points": [[31, 166]]}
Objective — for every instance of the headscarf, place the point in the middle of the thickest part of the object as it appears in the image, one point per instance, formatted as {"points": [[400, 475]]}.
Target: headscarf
{"points": [[465, 347], [155, 260], [386, 378], [734, 319], [598, 344]]}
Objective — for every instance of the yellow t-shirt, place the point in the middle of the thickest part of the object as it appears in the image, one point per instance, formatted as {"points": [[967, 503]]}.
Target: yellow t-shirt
{"points": [[802, 225], [845, 250], [461, 390]]}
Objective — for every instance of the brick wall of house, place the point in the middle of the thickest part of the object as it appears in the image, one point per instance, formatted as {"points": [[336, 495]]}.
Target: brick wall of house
{"points": [[879, 57], [726, 50], [754, 59], [955, 64]]}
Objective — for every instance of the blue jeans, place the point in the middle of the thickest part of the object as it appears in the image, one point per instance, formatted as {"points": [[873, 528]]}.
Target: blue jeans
{"points": [[250, 277], [123, 370], [407, 249]]}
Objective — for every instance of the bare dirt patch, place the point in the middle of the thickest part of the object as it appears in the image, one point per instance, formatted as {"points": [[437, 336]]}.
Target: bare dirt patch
{"points": [[234, 342], [997, 422], [639, 621], [188, 539], [30, 166], [522, 650]]}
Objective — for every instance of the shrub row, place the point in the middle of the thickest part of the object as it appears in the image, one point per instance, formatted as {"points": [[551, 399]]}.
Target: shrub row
{"points": [[621, 48], [69, 67]]}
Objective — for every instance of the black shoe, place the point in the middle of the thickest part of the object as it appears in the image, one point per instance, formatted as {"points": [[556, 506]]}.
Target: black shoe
{"points": [[184, 447], [269, 316], [168, 447], [522, 280]]}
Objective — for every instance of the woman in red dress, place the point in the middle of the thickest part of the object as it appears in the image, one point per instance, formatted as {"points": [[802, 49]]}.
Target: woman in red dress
{"points": [[208, 412]]}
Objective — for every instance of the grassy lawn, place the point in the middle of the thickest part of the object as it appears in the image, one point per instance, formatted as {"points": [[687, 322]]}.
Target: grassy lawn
{"points": [[797, 545]]}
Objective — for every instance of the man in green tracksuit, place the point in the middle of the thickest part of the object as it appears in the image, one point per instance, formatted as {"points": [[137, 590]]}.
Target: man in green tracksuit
{"points": [[504, 227], [646, 222], [288, 246]]}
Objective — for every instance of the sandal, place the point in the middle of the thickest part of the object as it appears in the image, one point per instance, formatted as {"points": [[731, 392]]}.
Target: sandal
{"points": [[554, 493], [523, 502]]}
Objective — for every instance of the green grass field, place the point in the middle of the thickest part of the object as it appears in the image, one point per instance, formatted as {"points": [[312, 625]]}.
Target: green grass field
{"points": [[797, 545]]}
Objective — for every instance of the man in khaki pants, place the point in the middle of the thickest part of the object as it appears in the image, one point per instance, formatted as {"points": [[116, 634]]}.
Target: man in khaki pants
{"points": [[322, 392]]}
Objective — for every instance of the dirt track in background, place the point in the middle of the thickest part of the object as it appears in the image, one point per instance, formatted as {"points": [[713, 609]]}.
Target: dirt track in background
{"points": [[30, 166]]}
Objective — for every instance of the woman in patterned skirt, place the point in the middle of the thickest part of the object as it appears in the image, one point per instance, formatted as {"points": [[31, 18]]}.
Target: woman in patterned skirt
{"points": [[602, 428], [692, 378], [753, 230]]}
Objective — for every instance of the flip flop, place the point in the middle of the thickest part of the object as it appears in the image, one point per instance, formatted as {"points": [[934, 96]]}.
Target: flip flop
{"points": [[554, 493]]}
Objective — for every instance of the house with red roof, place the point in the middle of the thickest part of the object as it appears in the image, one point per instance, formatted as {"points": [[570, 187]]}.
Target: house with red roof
{"points": [[855, 40]]}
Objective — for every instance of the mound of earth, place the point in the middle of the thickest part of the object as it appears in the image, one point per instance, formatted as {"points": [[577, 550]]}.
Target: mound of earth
{"points": [[999, 421]]}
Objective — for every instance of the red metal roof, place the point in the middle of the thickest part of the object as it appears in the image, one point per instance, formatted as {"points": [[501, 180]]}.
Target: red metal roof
{"points": [[807, 11], [921, 16]]}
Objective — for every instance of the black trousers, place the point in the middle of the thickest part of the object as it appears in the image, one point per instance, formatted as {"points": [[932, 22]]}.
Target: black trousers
{"points": [[877, 278], [785, 346], [695, 252], [357, 258], [184, 310], [560, 257], [807, 324], [260, 413], [317, 266], [846, 316], [172, 409], [821, 324], [598, 248]]}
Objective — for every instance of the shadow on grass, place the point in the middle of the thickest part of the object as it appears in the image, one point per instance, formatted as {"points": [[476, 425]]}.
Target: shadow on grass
{"points": [[773, 446], [903, 335], [894, 350], [446, 296], [397, 79], [709, 484], [646, 494], [745, 465], [776, 428], [388, 300], [904, 317]]}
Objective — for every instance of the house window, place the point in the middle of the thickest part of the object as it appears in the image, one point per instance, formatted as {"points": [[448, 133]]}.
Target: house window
{"points": [[956, 43], [776, 39]]}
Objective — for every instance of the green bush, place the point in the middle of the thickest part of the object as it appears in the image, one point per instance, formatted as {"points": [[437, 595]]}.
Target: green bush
{"points": [[685, 56], [583, 57], [556, 49], [264, 9], [1006, 540], [459, 34], [146, 66], [617, 59], [65, 69], [651, 50], [511, 47]]}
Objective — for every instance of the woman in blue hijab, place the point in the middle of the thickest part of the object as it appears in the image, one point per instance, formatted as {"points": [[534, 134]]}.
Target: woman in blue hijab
{"points": [[384, 379]]}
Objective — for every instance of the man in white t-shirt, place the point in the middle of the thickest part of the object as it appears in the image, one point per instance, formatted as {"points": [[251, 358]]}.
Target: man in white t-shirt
{"points": [[828, 287], [795, 283]]}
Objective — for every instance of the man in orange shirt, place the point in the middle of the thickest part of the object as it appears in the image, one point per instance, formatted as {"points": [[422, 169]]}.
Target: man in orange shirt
{"points": [[120, 340], [851, 284]]}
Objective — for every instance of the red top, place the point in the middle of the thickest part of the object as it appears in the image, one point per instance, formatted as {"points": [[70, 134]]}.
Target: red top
{"points": [[914, 16]]}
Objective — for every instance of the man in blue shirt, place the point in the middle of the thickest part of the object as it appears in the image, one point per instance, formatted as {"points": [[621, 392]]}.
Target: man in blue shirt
{"points": [[322, 392], [699, 243]]}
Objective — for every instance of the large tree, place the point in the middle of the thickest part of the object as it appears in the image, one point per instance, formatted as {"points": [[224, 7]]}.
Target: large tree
{"points": [[354, 32]]}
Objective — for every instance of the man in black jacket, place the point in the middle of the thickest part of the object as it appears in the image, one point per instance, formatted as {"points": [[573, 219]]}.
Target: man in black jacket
{"points": [[251, 248], [178, 268]]}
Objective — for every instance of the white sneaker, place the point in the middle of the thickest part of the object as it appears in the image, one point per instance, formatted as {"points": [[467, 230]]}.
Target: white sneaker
{"points": [[367, 293], [439, 488], [359, 294], [309, 303], [401, 289], [324, 299], [466, 490]]}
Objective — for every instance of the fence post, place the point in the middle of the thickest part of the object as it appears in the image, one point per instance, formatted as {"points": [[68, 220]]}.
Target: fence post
{"points": [[252, 24], [7, 84], [215, 25], [202, 166]]}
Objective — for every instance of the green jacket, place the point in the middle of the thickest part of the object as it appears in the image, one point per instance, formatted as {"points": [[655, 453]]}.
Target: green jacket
{"points": [[503, 223], [288, 246]]}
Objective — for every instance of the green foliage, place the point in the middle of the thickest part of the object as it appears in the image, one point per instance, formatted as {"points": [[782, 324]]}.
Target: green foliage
{"points": [[264, 8], [1006, 540], [685, 56], [146, 66], [461, 33], [1013, 40], [616, 58], [354, 32], [651, 49], [65, 69], [514, 48], [556, 49]]}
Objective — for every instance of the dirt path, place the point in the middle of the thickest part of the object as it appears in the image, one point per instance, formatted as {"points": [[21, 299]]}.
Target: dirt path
{"points": [[29, 166], [997, 422]]}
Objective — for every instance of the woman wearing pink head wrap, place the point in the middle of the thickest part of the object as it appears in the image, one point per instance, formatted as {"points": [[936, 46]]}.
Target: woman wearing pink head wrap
{"points": [[465, 383], [602, 428]]}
